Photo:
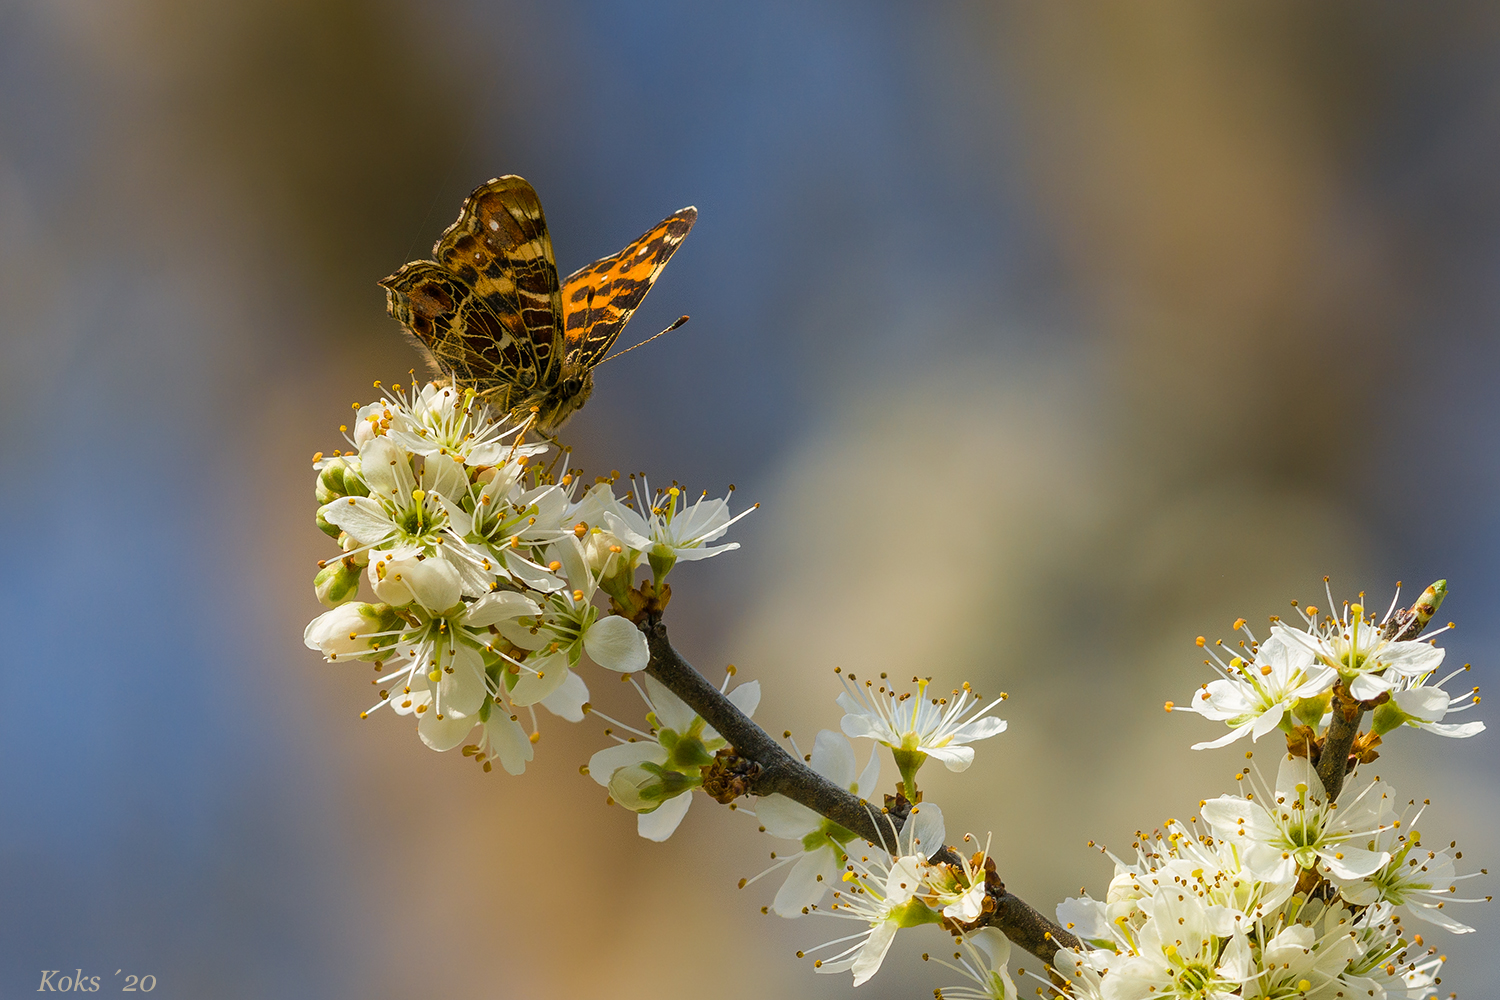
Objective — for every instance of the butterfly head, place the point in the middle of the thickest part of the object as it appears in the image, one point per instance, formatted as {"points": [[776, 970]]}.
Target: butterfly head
{"points": [[570, 393]]}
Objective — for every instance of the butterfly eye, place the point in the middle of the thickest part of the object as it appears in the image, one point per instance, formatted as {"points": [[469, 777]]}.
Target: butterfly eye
{"points": [[570, 387]]}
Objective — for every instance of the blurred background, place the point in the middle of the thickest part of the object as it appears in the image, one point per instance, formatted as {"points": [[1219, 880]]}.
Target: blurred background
{"points": [[1049, 337]]}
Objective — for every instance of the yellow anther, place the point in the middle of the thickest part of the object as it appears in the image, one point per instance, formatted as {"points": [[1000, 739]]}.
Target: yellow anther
{"points": [[554, 565]]}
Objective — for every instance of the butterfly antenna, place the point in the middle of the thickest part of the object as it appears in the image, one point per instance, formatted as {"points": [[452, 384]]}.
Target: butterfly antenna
{"points": [[680, 320]]}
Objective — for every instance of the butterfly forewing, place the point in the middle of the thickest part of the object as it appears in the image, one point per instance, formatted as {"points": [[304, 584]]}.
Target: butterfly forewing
{"points": [[599, 299]]}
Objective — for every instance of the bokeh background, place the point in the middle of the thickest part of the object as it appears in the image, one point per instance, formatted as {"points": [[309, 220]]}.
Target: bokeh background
{"points": [[1048, 335]]}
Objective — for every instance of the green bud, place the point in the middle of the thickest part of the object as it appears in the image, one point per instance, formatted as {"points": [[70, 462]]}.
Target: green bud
{"points": [[331, 481], [324, 525], [645, 786], [337, 583]]}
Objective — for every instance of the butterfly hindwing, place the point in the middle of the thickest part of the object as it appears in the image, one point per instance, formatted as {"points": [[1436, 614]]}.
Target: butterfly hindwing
{"points": [[489, 313], [488, 308], [597, 300]]}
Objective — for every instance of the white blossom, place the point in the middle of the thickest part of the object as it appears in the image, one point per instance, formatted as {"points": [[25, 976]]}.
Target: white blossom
{"points": [[816, 865]]}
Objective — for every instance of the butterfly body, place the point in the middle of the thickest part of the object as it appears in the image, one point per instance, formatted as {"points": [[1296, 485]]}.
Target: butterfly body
{"points": [[491, 315]]}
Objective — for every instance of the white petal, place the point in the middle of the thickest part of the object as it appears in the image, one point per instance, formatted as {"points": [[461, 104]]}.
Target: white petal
{"points": [[869, 778], [1226, 739], [802, 887], [746, 697], [953, 758], [671, 711], [1456, 730], [461, 691], [1268, 721], [445, 733], [1426, 703], [929, 833], [1367, 686], [784, 818], [433, 582], [604, 764], [833, 757], [1410, 659], [661, 822], [568, 700], [630, 526], [497, 606], [551, 673], [978, 729], [1355, 863], [968, 906], [510, 742], [615, 643], [867, 962], [363, 517]]}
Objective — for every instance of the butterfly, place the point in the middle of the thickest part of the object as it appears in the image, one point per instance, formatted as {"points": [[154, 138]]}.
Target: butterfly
{"points": [[489, 313]]}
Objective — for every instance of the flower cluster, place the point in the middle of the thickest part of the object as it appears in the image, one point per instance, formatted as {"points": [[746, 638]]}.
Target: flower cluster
{"points": [[1293, 677], [1275, 894], [485, 569], [911, 877]]}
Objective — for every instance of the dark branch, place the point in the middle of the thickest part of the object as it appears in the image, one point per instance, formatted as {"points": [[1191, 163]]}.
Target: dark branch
{"points": [[780, 772], [1333, 761]]}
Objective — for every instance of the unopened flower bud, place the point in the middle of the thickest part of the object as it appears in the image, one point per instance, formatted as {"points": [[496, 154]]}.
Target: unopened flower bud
{"points": [[324, 525], [337, 583], [645, 786]]}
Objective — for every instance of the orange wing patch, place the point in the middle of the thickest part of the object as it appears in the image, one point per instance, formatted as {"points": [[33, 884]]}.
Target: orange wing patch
{"points": [[599, 299]]}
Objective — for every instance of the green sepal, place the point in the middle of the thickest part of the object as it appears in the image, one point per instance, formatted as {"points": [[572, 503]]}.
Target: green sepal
{"points": [[662, 558], [1386, 717], [1310, 711]]}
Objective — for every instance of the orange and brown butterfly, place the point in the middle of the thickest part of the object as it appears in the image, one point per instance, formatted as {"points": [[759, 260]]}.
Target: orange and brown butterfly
{"points": [[489, 312]]}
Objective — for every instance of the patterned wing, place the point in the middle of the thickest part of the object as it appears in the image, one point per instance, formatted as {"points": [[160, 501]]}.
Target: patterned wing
{"points": [[488, 309], [598, 299]]}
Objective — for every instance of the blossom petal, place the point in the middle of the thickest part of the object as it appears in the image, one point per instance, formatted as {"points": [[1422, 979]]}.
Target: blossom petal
{"points": [[802, 887], [445, 733], [833, 757], [1455, 730], [606, 762], [1428, 704], [953, 758], [364, 518], [1367, 686], [928, 832], [671, 711], [1353, 862], [498, 606], [869, 778], [510, 742], [979, 729], [615, 643], [661, 822], [551, 673], [786, 819], [867, 962], [1226, 739], [746, 697], [568, 700]]}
